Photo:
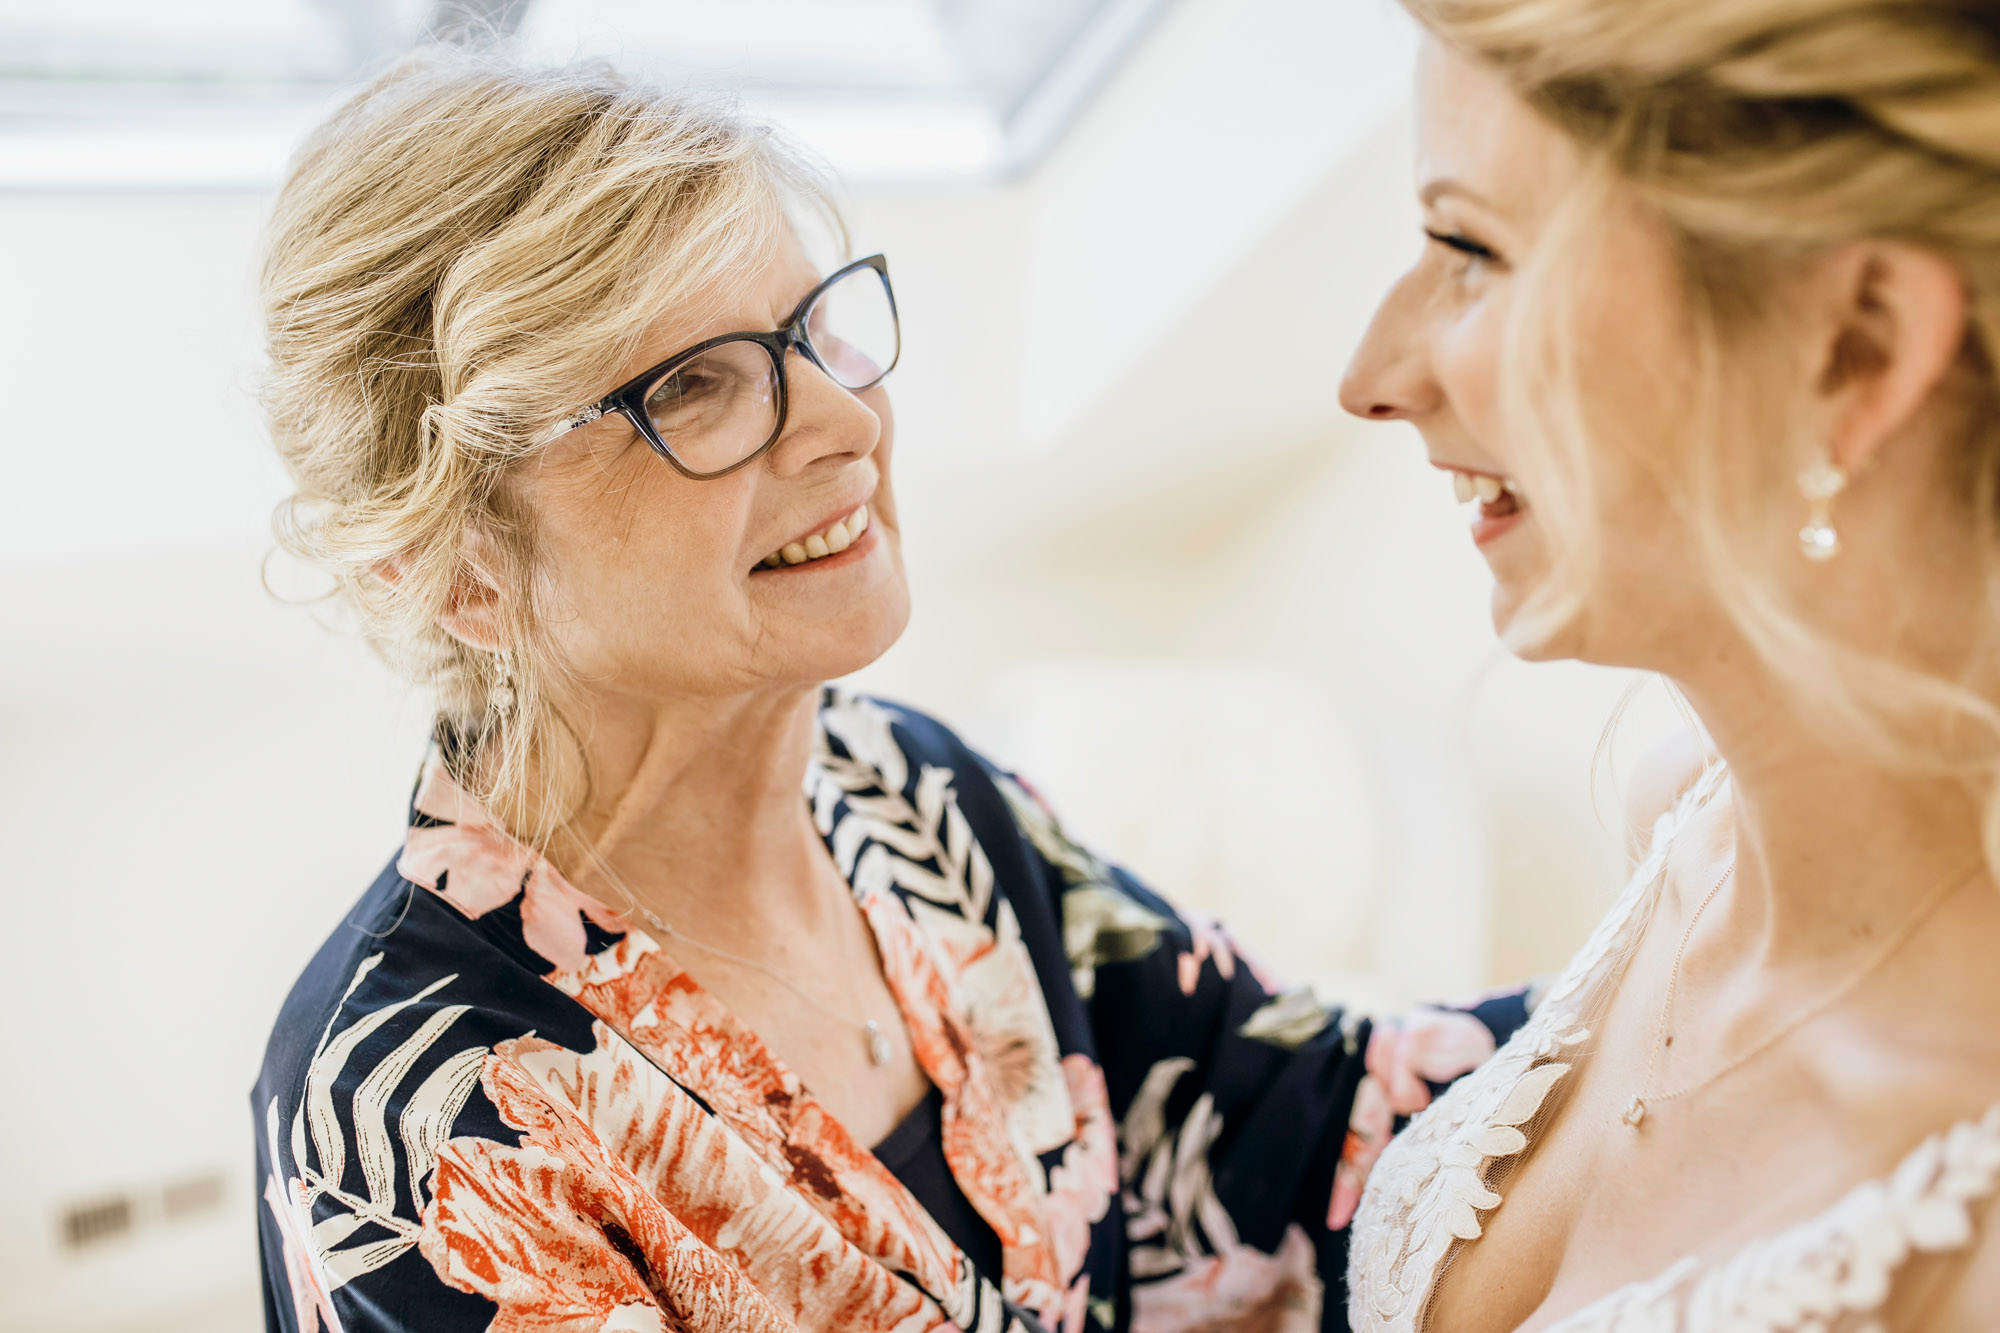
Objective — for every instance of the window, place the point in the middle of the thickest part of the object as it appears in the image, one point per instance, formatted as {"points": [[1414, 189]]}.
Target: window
{"points": [[207, 93]]}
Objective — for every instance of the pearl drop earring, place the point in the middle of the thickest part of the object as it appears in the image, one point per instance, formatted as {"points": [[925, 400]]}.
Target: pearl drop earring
{"points": [[500, 698], [1820, 483]]}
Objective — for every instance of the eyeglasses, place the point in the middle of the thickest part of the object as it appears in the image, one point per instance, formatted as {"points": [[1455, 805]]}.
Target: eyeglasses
{"points": [[721, 404]]}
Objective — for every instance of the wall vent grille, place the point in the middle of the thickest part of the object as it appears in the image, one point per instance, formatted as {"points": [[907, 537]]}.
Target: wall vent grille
{"points": [[89, 1222], [96, 1220], [196, 1194]]}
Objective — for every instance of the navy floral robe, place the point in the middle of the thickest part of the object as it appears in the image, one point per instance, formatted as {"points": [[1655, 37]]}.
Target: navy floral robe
{"points": [[489, 1105]]}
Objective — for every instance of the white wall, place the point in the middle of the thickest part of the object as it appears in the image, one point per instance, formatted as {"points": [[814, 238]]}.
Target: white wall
{"points": [[195, 780]]}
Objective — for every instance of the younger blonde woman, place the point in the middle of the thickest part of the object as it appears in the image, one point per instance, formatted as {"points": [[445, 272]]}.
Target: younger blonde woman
{"points": [[1707, 326]]}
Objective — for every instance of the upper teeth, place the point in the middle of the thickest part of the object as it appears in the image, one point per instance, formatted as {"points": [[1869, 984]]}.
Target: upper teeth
{"points": [[835, 539], [1481, 486]]}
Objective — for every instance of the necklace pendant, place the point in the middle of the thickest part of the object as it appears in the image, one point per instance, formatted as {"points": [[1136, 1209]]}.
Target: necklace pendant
{"points": [[879, 1049], [1635, 1112]]}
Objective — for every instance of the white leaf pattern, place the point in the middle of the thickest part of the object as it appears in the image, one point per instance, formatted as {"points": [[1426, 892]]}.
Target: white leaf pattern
{"points": [[327, 1065], [1290, 1019], [1172, 1214], [1145, 1122], [896, 829], [428, 1116], [330, 1231], [1191, 1268], [325, 1124], [371, 1106], [928, 830], [423, 1126], [908, 842]]}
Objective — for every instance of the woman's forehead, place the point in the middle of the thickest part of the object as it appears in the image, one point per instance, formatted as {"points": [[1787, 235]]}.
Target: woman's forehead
{"points": [[1479, 140], [751, 296]]}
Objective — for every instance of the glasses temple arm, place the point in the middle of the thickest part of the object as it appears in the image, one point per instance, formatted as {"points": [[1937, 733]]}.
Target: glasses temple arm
{"points": [[572, 422]]}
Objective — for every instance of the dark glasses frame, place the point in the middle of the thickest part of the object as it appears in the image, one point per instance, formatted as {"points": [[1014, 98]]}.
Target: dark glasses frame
{"points": [[629, 399]]}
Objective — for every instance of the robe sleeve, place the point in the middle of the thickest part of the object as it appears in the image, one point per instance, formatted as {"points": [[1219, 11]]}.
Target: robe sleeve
{"points": [[1249, 1112]]}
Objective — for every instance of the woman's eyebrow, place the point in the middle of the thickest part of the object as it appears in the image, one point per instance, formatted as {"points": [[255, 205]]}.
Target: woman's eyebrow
{"points": [[1440, 186]]}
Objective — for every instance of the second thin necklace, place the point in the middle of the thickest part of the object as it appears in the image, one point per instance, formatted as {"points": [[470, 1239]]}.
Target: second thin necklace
{"points": [[879, 1047], [1645, 1100]]}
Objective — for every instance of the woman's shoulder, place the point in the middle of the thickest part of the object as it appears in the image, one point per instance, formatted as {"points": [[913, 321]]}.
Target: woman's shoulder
{"points": [[379, 1069], [1662, 779], [893, 738], [401, 955], [866, 742], [871, 743]]}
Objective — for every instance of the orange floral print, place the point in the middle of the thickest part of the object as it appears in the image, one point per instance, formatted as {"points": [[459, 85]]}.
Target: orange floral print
{"points": [[489, 868], [613, 1207], [635, 989], [312, 1303], [1082, 1184], [600, 1146], [989, 1166], [1404, 1058], [1208, 942], [1242, 1290]]}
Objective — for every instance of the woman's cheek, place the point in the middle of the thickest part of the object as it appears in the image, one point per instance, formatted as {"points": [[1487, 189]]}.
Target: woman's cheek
{"points": [[877, 399], [1469, 355]]}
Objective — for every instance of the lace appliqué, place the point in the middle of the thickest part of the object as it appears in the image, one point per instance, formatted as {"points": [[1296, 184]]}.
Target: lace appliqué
{"points": [[1832, 1271], [1430, 1187]]}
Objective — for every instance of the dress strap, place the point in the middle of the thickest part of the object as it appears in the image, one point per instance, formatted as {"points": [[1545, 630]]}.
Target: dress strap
{"points": [[1693, 798]]}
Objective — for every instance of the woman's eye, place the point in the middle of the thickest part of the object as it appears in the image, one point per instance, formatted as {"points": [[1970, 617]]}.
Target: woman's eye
{"points": [[681, 387], [1462, 244]]}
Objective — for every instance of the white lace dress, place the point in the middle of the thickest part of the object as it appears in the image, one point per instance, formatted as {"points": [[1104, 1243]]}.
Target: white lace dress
{"points": [[1831, 1272]]}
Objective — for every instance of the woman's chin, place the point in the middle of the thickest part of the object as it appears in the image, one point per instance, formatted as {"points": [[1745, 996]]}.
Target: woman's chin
{"points": [[865, 636], [1532, 633]]}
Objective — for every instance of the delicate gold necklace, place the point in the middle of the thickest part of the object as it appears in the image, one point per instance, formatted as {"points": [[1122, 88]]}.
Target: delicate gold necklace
{"points": [[879, 1049], [1642, 1102]]}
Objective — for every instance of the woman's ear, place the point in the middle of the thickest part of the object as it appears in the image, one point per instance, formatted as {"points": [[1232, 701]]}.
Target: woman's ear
{"points": [[1897, 324], [473, 609]]}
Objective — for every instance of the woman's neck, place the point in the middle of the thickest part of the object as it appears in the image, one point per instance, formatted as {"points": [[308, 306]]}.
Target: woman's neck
{"points": [[697, 812], [1831, 849]]}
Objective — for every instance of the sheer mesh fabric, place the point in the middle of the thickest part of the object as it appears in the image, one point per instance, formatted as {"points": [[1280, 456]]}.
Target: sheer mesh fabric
{"points": [[1498, 1172]]}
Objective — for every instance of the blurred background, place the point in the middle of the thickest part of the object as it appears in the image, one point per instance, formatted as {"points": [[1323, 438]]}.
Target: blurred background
{"points": [[1240, 640]]}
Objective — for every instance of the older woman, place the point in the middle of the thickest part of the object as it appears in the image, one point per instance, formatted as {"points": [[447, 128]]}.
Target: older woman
{"points": [[701, 997], [1707, 327]]}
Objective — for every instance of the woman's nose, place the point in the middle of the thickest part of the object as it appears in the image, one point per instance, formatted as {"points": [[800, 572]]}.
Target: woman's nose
{"points": [[823, 421], [1389, 377]]}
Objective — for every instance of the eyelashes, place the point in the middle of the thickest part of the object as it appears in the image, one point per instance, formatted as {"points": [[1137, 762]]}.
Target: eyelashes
{"points": [[1465, 245]]}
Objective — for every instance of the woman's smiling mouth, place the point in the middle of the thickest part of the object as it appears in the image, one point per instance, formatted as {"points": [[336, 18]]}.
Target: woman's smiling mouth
{"points": [[839, 536], [1500, 502]]}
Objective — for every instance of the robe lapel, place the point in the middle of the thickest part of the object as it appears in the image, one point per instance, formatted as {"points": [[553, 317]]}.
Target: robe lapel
{"points": [[637, 990]]}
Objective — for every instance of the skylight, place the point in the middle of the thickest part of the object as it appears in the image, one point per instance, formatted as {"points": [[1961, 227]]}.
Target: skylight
{"points": [[197, 93]]}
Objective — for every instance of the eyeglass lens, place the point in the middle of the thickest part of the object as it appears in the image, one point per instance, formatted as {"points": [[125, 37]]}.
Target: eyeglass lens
{"points": [[852, 327], [717, 409], [721, 407]]}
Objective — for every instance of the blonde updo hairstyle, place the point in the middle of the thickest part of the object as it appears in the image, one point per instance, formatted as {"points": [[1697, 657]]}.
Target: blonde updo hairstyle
{"points": [[464, 254], [1762, 133]]}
